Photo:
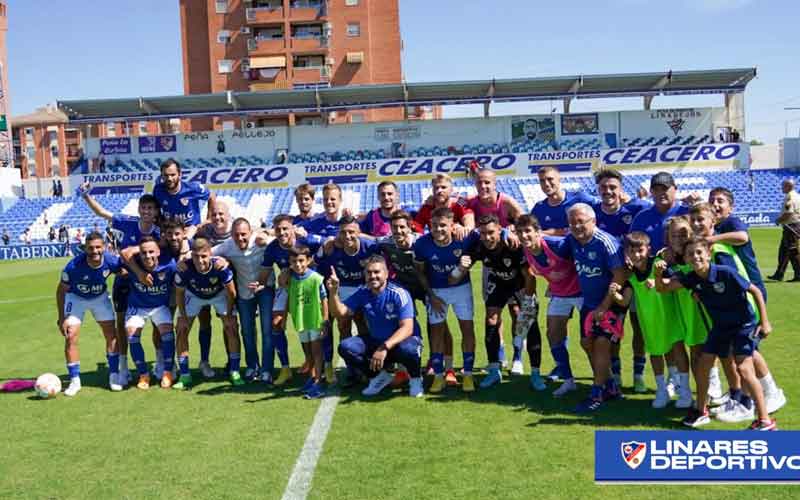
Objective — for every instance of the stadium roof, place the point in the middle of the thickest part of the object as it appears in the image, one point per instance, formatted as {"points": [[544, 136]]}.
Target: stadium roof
{"points": [[315, 100]]}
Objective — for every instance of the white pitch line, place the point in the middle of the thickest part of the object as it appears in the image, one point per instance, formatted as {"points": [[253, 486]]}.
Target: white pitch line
{"points": [[303, 472], [25, 299]]}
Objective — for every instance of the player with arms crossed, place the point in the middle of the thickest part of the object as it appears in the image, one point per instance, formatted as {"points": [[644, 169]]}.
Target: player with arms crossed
{"points": [[83, 287], [201, 284]]}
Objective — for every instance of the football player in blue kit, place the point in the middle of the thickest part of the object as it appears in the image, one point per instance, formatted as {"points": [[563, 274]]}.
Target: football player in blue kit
{"points": [[131, 229], [201, 284], [151, 301], [83, 287], [181, 200], [277, 253], [439, 256]]}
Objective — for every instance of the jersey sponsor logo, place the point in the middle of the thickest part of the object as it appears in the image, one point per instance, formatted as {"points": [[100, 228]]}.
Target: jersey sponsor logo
{"points": [[94, 289], [588, 271]]}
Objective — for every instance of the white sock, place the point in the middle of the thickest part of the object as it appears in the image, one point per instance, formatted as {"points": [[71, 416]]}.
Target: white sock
{"points": [[768, 384], [714, 373], [448, 362], [661, 383]]}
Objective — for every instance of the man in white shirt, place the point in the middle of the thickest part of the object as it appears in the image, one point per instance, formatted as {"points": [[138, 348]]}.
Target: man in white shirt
{"points": [[789, 218], [245, 251]]}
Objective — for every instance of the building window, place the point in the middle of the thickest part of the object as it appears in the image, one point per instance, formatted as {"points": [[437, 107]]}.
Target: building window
{"points": [[111, 129], [350, 3], [142, 128], [223, 36], [175, 125], [225, 65], [357, 118], [222, 6], [353, 29], [29, 135]]}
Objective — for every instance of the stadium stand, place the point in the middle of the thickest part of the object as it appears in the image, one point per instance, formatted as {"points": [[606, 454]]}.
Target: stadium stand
{"points": [[259, 205], [151, 164]]}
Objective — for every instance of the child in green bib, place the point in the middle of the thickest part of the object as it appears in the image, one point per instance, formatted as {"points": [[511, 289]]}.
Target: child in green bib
{"points": [[308, 308]]}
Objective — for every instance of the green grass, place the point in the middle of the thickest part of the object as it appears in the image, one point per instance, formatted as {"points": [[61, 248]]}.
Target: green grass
{"points": [[220, 442]]}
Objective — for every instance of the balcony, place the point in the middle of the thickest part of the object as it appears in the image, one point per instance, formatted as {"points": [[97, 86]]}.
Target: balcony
{"points": [[308, 75], [263, 15], [304, 10], [269, 86], [266, 45], [309, 43]]}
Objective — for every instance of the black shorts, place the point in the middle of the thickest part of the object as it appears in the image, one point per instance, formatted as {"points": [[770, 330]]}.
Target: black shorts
{"points": [[119, 293], [501, 293]]}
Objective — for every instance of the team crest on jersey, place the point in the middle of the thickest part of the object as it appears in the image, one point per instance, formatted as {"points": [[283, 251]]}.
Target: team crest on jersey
{"points": [[633, 453], [719, 287], [161, 276], [627, 219], [213, 280], [507, 262], [86, 277], [390, 308], [592, 255], [106, 272], [184, 201], [457, 252]]}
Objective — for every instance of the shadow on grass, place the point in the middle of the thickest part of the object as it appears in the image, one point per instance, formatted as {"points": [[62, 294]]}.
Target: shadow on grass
{"points": [[515, 393]]}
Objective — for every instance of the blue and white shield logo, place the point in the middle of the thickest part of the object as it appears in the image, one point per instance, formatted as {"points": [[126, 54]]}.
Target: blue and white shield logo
{"points": [[633, 453]]}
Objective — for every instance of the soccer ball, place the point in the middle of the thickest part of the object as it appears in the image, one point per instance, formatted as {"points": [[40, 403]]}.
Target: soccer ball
{"points": [[48, 385]]}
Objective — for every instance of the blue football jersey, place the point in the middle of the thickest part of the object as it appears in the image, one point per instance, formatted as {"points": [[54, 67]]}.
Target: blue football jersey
{"points": [[130, 230], [555, 217], [383, 311], [440, 261], [185, 204], [86, 281], [274, 253], [158, 294], [204, 285], [652, 222], [321, 226], [349, 268], [594, 263], [619, 223]]}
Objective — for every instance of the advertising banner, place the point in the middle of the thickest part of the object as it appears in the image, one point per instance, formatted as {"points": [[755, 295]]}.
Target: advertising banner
{"points": [[115, 146], [735, 155], [586, 123], [158, 144], [533, 129], [697, 457], [42, 251]]}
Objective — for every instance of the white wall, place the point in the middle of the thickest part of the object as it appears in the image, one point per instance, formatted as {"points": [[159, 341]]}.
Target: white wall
{"points": [[765, 157], [790, 152]]}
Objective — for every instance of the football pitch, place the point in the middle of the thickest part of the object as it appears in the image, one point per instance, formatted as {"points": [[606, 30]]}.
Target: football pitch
{"points": [[217, 441]]}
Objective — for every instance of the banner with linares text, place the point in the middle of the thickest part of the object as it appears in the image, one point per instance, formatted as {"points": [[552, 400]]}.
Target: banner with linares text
{"points": [[732, 155]]}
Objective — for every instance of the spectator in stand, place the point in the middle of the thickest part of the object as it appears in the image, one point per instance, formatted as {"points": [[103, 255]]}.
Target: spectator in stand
{"points": [[55, 189], [6, 237], [60, 188], [25, 237], [735, 135], [51, 235], [79, 236]]}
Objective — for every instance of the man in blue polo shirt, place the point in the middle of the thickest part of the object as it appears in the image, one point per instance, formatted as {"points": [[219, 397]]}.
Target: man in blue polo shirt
{"points": [[393, 333], [665, 205]]}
